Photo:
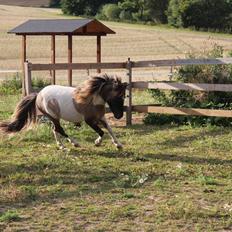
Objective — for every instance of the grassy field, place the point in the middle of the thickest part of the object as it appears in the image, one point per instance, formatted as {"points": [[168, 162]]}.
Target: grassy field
{"points": [[165, 179]]}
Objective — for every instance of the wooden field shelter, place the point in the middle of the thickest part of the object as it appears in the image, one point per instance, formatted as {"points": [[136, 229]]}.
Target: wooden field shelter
{"points": [[61, 27]]}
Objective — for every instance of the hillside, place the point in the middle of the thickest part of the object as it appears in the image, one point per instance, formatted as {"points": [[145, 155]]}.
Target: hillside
{"points": [[139, 42], [31, 3]]}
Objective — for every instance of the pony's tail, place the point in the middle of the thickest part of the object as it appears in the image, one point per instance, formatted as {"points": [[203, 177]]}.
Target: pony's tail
{"points": [[25, 113]]}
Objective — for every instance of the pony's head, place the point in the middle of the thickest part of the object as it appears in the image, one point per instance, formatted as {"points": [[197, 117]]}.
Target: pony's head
{"points": [[113, 92], [110, 89]]}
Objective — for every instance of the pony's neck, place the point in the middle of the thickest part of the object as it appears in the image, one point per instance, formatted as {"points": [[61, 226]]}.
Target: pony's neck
{"points": [[98, 100]]}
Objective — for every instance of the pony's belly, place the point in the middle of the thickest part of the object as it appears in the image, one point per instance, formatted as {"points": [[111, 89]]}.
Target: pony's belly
{"points": [[70, 114]]}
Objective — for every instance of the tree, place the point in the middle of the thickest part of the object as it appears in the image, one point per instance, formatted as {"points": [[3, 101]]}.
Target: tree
{"points": [[200, 13], [157, 10], [83, 7], [73, 7]]}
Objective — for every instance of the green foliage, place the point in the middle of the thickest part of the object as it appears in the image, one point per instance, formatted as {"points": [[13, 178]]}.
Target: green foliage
{"points": [[73, 7], [110, 12], [39, 83], [157, 10], [218, 74], [54, 3], [200, 14], [14, 85], [30, 192], [83, 7], [10, 215]]}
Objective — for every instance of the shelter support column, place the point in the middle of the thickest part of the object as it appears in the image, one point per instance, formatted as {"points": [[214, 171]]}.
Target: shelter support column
{"points": [[70, 59], [53, 58], [24, 58], [99, 51]]}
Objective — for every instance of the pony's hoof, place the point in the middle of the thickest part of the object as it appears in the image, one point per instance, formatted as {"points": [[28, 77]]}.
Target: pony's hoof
{"points": [[76, 144], [119, 146], [62, 147], [98, 142]]}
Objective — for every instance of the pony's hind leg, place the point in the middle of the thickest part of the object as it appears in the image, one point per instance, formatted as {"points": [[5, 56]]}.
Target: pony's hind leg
{"points": [[58, 130], [58, 140]]}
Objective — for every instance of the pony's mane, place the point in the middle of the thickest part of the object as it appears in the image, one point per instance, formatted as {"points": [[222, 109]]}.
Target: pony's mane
{"points": [[94, 85]]}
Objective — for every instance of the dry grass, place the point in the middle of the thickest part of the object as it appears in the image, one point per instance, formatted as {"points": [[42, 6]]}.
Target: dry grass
{"points": [[136, 41], [30, 3]]}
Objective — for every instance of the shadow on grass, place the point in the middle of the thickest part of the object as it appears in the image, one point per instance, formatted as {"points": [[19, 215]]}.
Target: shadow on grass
{"points": [[188, 159]]}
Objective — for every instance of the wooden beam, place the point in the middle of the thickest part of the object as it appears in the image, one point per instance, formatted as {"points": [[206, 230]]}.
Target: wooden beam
{"points": [[183, 86], [181, 62], [24, 58], [70, 59], [99, 51], [77, 66], [182, 111], [53, 58]]}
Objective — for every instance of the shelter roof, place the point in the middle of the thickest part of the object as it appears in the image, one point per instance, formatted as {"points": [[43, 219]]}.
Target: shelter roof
{"points": [[62, 27]]}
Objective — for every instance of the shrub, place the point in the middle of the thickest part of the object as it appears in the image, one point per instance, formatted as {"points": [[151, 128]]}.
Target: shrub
{"points": [[110, 12], [218, 74]]}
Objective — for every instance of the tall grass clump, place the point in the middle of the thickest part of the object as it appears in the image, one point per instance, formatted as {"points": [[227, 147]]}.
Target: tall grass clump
{"points": [[217, 74], [13, 86]]}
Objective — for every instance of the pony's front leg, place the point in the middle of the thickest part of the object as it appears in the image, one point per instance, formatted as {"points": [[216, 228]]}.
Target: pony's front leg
{"points": [[113, 137], [95, 127]]}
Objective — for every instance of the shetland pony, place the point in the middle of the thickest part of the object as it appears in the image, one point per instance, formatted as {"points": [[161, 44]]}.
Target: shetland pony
{"points": [[74, 105]]}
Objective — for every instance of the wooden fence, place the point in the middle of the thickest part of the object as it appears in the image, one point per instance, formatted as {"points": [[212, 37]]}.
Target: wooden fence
{"points": [[129, 66]]}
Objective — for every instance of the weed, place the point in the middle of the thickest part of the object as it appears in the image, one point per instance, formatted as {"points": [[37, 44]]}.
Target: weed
{"points": [[10, 215]]}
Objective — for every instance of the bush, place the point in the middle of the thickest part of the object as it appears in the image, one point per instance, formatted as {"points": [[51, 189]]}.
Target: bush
{"points": [[110, 12], [218, 74]]}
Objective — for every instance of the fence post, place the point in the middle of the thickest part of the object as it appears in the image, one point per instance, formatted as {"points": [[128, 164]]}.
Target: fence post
{"points": [[28, 81], [129, 93]]}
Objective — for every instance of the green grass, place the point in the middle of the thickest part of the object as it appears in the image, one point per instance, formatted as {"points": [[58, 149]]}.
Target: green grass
{"points": [[165, 179], [9, 216]]}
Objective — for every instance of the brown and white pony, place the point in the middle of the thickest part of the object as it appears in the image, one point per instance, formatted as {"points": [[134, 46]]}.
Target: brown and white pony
{"points": [[74, 105]]}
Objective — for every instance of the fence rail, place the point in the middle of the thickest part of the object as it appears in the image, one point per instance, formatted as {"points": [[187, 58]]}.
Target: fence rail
{"points": [[129, 66]]}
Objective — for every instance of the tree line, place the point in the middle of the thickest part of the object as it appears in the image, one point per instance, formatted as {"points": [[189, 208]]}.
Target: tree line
{"points": [[212, 15]]}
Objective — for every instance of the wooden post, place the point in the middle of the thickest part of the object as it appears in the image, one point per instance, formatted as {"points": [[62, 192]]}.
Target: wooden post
{"points": [[99, 51], [129, 93], [24, 57], [70, 59], [28, 81], [53, 58]]}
